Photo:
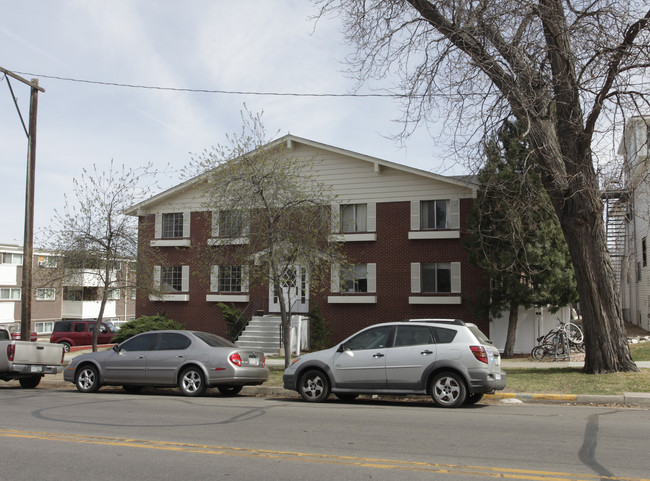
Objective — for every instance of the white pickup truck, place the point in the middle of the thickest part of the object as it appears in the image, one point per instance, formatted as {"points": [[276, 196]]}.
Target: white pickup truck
{"points": [[28, 361]]}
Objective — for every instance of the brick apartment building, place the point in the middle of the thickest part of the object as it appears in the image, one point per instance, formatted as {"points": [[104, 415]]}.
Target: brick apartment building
{"points": [[402, 230]]}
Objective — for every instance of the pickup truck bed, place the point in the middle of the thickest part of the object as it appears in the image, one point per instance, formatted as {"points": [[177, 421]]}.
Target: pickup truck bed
{"points": [[28, 361]]}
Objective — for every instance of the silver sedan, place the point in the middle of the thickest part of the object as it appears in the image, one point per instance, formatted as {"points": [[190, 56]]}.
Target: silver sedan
{"points": [[191, 360]]}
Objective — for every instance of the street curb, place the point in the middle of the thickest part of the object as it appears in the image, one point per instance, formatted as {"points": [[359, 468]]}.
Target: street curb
{"points": [[634, 399]]}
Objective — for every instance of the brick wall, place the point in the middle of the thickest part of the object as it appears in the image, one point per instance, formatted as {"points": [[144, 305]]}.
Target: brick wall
{"points": [[392, 252]]}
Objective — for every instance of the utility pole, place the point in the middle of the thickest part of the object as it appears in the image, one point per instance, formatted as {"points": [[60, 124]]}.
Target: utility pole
{"points": [[28, 248]]}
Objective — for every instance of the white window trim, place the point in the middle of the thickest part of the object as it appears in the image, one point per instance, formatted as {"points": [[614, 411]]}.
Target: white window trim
{"points": [[216, 240], [433, 234], [371, 219], [352, 299], [170, 298], [369, 297], [170, 243], [453, 221], [368, 237], [416, 282], [177, 297], [158, 241], [419, 300], [228, 241], [45, 299], [214, 281], [227, 298]]}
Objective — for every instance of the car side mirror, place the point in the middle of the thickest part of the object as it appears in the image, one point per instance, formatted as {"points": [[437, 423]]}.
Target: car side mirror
{"points": [[116, 348]]}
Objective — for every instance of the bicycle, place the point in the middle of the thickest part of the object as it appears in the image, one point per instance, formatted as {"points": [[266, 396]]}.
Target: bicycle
{"points": [[559, 342]]}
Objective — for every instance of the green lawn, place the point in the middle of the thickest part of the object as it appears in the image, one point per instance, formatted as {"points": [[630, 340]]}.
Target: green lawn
{"points": [[560, 380]]}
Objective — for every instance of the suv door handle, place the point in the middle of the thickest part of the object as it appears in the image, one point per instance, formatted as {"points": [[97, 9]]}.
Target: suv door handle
{"points": [[426, 353], [378, 355]]}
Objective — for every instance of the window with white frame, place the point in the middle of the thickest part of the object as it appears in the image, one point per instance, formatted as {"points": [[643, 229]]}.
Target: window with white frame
{"points": [[47, 261], [11, 258], [172, 225], [354, 278], [229, 279], [44, 327], [171, 279], [354, 218], [113, 294], [436, 277], [433, 214], [231, 223], [435, 219], [45, 294], [10, 293], [435, 280], [134, 293]]}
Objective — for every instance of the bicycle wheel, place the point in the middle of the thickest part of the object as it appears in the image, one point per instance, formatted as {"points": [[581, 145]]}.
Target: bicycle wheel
{"points": [[573, 333], [550, 336], [543, 351]]}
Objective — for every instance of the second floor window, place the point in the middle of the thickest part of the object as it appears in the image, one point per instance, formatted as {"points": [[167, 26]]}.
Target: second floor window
{"points": [[10, 294], [47, 261], [15, 259], [436, 277], [171, 279], [354, 218], [434, 214], [172, 225], [231, 223], [113, 294], [45, 294]]}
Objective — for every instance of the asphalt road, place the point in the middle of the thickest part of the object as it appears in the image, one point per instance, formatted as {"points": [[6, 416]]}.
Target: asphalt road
{"points": [[62, 434]]}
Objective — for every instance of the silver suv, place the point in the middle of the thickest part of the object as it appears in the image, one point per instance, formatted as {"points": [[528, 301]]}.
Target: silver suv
{"points": [[450, 360]]}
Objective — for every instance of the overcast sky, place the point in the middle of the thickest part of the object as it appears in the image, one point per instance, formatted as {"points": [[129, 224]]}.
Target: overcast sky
{"points": [[244, 45]]}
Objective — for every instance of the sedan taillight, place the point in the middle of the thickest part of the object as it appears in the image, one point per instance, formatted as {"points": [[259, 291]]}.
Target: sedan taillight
{"points": [[235, 358], [479, 353]]}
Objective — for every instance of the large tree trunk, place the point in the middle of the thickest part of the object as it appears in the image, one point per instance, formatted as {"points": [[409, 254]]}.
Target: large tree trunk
{"points": [[605, 340], [573, 187], [511, 337]]}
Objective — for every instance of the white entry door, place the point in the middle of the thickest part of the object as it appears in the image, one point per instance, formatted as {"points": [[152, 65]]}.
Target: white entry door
{"points": [[295, 289]]}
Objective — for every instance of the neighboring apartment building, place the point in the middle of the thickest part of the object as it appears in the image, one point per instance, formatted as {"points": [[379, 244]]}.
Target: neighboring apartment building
{"points": [[635, 271], [74, 299], [402, 229]]}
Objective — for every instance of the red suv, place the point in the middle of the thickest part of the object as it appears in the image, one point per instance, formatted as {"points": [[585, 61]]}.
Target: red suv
{"points": [[80, 333]]}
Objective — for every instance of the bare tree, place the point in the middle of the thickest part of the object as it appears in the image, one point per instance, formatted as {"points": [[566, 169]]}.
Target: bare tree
{"points": [[262, 189], [94, 238], [568, 70]]}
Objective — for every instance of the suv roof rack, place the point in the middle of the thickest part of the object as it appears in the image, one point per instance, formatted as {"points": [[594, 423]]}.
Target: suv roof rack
{"points": [[457, 322]]}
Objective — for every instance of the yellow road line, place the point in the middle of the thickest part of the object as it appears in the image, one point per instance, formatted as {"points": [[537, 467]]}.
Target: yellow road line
{"points": [[394, 464]]}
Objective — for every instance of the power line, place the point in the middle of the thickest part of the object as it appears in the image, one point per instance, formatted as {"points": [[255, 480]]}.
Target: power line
{"points": [[213, 91]]}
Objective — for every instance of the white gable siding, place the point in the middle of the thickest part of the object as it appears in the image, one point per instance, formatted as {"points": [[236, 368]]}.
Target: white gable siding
{"points": [[353, 180]]}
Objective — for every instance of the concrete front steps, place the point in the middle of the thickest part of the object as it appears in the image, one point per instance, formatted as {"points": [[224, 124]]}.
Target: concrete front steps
{"points": [[263, 334]]}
